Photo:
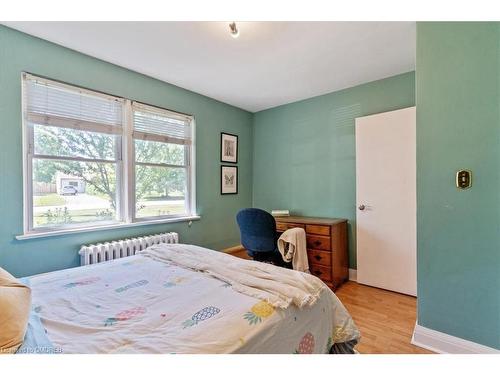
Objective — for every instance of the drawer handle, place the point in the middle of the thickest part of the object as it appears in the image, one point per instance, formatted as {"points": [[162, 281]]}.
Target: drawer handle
{"points": [[317, 242], [318, 257], [317, 272]]}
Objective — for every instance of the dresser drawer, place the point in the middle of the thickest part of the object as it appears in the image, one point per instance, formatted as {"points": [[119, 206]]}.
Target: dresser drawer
{"points": [[318, 242], [324, 273], [295, 225], [319, 257], [281, 227], [322, 230]]}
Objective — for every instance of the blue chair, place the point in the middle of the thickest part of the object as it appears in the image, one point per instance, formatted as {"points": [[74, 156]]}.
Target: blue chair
{"points": [[258, 235]]}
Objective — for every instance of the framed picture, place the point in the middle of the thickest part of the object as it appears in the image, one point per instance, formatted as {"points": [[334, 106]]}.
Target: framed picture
{"points": [[228, 148], [229, 179]]}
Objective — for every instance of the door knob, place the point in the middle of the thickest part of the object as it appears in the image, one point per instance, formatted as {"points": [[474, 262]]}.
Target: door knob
{"points": [[361, 207]]}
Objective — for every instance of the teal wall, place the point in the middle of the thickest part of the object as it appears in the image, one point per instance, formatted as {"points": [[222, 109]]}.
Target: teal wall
{"points": [[302, 157], [458, 126], [216, 229], [304, 152]]}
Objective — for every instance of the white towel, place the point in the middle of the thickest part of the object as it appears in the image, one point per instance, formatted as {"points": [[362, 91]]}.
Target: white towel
{"points": [[293, 247], [278, 286]]}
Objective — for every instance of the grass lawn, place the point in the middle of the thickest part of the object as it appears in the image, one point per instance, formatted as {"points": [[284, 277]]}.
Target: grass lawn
{"points": [[48, 200], [90, 215], [77, 216], [161, 210], [171, 197]]}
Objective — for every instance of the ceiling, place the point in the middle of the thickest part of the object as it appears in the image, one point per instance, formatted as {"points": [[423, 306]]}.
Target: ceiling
{"points": [[269, 64]]}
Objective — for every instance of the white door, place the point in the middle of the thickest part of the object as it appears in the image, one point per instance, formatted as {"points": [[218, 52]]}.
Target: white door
{"points": [[386, 200]]}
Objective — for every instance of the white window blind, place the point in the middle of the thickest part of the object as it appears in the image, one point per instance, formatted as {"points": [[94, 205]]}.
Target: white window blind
{"points": [[159, 125], [56, 104]]}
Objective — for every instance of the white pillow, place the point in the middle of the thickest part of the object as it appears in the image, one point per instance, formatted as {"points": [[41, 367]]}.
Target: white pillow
{"points": [[15, 305]]}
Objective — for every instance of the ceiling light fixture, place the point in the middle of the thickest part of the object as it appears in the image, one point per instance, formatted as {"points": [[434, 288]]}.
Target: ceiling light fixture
{"points": [[234, 30]]}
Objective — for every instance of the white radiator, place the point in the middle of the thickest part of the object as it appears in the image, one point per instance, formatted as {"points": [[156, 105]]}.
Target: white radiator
{"points": [[103, 252]]}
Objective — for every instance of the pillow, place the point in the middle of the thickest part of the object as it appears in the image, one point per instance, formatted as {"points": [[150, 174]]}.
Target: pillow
{"points": [[15, 306]]}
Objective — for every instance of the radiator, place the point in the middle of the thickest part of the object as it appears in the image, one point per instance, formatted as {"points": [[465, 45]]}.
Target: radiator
{"points": [[103, 252]]}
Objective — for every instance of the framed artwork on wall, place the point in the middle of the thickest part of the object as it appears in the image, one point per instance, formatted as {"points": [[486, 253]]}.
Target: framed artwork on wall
{"points": [[228, 148], [229, 179]]}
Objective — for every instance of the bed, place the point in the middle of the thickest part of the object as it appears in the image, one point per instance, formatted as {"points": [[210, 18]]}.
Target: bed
{"points": [[177, 298]]}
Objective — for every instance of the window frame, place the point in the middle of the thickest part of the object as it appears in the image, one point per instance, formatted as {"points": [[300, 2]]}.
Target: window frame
{"points": [[131, 165], [125, 171]]}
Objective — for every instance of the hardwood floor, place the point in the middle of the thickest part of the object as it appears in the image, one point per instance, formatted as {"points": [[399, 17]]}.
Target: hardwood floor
{"points": [[386, 319], [238, 251]]}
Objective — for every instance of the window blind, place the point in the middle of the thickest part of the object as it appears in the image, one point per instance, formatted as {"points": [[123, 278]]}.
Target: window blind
{"points": [[56, 104], [160, 125]]}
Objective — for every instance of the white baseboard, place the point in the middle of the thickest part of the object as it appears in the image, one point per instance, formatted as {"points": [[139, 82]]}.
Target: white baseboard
{"points": [[443, 343], [353, 274]]}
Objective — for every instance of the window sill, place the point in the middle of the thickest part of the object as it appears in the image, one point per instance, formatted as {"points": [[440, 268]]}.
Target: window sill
{"points": [[54, 233]]}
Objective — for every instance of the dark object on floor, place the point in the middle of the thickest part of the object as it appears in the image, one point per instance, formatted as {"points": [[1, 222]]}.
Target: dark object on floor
{"points": [[259, 237], [344, 347]]}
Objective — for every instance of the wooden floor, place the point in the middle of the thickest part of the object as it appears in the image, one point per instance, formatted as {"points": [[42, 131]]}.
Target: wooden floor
{"points": [[385, 319]]}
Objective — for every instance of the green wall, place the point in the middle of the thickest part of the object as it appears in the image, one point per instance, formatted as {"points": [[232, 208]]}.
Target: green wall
{"points": [[216, 229], [458, 127], [302, 157], [304, 152]]}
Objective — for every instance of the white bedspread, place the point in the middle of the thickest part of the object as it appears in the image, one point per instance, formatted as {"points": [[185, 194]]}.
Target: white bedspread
{"points": [[278, 286], [148, 303]]}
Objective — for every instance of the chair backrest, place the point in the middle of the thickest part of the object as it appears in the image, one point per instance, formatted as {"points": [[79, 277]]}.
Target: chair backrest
{"points": [[257, 229]]}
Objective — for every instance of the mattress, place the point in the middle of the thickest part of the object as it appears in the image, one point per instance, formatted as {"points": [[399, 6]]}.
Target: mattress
{"points": [[143, 305]]}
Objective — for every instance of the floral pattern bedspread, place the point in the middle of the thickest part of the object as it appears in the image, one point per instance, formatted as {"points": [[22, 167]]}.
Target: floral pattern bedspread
{"points": [[140, 305]]}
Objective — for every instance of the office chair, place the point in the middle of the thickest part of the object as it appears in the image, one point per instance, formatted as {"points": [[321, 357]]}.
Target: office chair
{"points": [[259, 237]]}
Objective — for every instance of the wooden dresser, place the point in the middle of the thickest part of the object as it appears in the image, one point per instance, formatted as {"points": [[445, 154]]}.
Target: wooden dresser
{"points": [[326, 246]]}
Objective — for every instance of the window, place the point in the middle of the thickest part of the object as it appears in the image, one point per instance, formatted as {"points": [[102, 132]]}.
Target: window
{"points": [[161, 143], [93, 159]]}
